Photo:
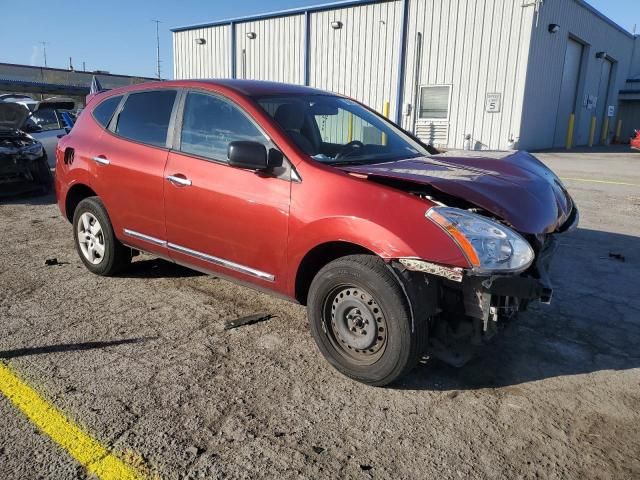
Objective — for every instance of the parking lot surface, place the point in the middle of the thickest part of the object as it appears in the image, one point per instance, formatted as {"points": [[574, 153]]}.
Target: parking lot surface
{"points": [[143, 365]]}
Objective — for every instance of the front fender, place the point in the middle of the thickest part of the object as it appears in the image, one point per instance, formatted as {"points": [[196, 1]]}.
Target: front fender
{"points": [[427, 242]]}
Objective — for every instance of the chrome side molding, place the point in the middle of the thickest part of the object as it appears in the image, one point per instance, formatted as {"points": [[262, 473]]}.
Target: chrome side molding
{"points": [[146, 238], [202, 256], [222, 262]]}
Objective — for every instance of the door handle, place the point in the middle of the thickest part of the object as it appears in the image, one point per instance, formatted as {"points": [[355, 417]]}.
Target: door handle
{"points": [[179, 180], [101, 160]]}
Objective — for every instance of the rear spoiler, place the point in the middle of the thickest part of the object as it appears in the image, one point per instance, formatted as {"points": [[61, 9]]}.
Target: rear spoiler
{"points": [[95, 89]]}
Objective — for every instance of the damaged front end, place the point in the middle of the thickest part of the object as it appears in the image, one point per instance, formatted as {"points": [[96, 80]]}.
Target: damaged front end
{"points": [[467, 307], [23, 163]]}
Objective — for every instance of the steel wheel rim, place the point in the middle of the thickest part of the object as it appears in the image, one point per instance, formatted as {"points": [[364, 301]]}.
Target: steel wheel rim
{"points": [[355, 324], [91, 238]]}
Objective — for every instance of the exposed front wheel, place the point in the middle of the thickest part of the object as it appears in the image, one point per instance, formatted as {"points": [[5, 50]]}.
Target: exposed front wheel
{"points": [[361, 320], [99, 249]]}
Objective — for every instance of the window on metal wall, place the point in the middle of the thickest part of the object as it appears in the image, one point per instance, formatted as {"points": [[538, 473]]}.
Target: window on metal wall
{"points": [[434, 102]]}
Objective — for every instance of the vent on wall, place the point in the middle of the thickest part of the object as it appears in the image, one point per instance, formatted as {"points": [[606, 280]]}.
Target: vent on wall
{"points": [[435, 133]]}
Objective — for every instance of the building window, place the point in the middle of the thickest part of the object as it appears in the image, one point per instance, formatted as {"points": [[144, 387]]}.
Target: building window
{"points": [[434, 102]]}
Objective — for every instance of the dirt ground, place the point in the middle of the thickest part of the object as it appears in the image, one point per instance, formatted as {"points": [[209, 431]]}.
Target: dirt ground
{"points": [[143, 364]]}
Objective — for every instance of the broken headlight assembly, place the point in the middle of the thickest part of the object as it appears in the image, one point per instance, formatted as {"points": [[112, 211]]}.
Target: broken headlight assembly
{"points": [[489, 246]]}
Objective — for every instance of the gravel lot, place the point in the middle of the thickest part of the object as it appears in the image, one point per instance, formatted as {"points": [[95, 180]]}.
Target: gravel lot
{"points": [[142, 362]]}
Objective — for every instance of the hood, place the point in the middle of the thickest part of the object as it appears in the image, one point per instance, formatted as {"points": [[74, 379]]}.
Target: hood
{"points": [[13, 115], [517, 188]]}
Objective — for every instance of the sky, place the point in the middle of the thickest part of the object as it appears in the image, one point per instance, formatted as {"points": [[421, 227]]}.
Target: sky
{"points": [[119, 36]]}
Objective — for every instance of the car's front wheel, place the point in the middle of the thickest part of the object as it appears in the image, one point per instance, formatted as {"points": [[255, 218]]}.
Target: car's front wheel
{"points": [[99, 249], [361, 320]]}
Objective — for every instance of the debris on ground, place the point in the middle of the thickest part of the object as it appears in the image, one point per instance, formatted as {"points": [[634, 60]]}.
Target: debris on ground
{"points": [[54, 261], [248, 320], [317, 449]]}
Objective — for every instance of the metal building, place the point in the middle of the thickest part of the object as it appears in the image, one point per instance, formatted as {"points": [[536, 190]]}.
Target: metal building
{"points": [[482, 74], [42, 82]]}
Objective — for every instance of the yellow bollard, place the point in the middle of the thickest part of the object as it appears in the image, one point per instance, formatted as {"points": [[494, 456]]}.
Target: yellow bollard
{"points": [[385, 112], [572, 122], [350, 127], [592, 131], [605, 131], [618, 131]]}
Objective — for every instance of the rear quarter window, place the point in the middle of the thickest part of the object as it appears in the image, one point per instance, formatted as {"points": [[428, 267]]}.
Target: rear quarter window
{"points": [[145, 117], [105, 110]]}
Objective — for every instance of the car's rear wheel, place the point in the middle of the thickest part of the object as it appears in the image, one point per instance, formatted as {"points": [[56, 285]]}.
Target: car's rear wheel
{"points": [[361, 320], [99, 249]]}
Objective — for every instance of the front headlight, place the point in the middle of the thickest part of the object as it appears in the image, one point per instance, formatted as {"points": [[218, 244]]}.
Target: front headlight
{"points": [[488, 245]]}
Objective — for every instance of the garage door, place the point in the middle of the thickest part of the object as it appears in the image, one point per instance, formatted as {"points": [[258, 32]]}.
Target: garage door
{"points": [[568, 90]]}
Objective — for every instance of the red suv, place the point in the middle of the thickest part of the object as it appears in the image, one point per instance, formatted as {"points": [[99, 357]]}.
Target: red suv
{"points": [[395, 251]]}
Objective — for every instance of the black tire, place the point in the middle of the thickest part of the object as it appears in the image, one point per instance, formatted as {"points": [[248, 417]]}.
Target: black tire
{"points": [[364, 284], [116, 256], [42, 174]]}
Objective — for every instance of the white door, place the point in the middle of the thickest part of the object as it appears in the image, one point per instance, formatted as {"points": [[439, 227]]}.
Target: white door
{"points": [[432, 119]]}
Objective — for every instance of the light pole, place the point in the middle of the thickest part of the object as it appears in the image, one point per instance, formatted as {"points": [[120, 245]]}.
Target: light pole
{"points": [[157, 22], [44, 51]]}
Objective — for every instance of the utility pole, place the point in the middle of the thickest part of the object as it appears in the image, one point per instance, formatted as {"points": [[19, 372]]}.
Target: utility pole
{"points": [[84, 66], [157, 22], [44, 51]]}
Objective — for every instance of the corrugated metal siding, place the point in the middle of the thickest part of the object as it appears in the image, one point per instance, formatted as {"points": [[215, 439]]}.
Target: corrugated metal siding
{"points": [[547, 62], [277, 52], [211, 60], [360, 59], [477, 47]]}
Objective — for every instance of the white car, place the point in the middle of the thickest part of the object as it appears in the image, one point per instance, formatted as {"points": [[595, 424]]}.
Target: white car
{"points": [[45, 121]]}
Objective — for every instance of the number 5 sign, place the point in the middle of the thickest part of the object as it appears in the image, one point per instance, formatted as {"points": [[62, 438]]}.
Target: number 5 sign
{"points": [[493, 102]]}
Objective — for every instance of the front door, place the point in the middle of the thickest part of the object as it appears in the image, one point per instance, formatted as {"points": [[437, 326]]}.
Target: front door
{"points": [[220, 218]]}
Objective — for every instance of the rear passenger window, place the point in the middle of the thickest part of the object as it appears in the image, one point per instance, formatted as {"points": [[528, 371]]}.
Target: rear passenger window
{"points": [[145, 117], [209, 124], [103, 112]]}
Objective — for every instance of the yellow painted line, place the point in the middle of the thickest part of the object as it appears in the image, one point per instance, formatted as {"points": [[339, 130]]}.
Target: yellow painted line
{"points": [[93, 456], [609, 182]]}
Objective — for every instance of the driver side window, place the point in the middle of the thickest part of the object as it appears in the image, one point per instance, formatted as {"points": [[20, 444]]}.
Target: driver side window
{"points": [[209, 124]]}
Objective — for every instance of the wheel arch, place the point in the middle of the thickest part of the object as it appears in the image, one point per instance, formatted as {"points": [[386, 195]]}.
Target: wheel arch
{"points": [[75, 195], [318, 257]]}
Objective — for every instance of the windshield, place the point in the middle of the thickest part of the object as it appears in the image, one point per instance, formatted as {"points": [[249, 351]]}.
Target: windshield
{"points": [[336, 130]]}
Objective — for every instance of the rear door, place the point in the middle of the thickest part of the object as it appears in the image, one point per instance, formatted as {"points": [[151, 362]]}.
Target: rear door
{"points": [[220, 218], [128, 168]]}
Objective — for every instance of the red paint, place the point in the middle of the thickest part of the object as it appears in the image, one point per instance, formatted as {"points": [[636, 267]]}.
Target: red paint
{"points": [[635, 141], [270, 224]]}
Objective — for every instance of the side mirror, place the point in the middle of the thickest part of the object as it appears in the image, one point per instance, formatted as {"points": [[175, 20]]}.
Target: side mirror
{"points": [[249, 155]]}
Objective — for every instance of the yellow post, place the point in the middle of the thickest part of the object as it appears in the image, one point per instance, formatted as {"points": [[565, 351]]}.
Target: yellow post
{"points": [[385, 112], [618, 130], [350, 127], [572, 122], [605, 131], [592, 131]]}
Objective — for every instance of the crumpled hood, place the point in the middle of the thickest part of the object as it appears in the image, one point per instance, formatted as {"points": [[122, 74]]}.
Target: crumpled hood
{"points": [[13, 115], [517, 188]]}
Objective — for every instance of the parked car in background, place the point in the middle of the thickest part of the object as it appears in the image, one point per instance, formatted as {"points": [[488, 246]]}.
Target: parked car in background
{"points": [[635, 141], [23, 160], [394, 249], [47, 121]]}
